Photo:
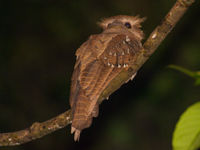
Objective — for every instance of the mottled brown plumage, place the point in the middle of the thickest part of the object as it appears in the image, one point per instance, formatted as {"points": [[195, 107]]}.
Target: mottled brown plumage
{"points": [[100, 59]]}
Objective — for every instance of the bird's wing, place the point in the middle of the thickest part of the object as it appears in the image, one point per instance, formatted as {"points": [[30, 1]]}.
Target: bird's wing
{"points": [[118, 55], [99, 60], [85, 57]]}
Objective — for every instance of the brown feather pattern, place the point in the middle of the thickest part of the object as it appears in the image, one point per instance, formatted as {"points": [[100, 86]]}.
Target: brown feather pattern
{"points": [[100, 59]]}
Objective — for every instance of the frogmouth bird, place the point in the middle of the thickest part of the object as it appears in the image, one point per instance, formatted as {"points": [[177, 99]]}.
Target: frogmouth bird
{"points": [[99, 60]]}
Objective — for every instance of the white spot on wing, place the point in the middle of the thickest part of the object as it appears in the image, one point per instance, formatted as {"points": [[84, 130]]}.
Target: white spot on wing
{"points": [[127, 39], [128, 50], [125, 65]]}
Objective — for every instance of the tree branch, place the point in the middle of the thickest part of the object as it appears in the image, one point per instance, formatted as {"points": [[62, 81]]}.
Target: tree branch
{"points": [[38, 130]]}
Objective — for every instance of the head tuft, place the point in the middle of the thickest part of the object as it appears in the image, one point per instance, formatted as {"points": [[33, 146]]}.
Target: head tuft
{"points": [[135, 21]]}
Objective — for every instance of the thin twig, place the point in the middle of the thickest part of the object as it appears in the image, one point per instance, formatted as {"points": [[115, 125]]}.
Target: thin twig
{"points": [[38, 130]]}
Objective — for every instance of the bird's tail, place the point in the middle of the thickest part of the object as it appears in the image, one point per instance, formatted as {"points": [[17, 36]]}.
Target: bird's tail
{"points": [[82, 118]]}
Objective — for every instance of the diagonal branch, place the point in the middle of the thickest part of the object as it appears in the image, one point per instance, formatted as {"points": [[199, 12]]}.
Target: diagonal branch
{"points": [[38, 130]]}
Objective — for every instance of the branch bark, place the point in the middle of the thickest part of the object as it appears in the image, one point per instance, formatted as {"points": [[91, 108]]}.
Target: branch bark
{"points": [[38, 130]]}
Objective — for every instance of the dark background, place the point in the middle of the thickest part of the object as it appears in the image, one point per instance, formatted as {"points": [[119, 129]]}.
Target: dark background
{"points": [[38, 40]]}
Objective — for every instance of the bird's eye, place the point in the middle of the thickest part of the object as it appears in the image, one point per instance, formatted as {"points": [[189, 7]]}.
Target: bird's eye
{"points": [[128, 25], [109, 25]]}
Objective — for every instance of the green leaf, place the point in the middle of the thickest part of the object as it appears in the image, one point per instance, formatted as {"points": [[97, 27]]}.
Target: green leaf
{"points": [[183, 70], [197, 82], [197, 74], [187, 132], [193, 74]]}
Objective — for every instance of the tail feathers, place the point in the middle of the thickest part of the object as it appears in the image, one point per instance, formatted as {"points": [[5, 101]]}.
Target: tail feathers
{"points": [[76, 133], [78, 126], [82, 114]]}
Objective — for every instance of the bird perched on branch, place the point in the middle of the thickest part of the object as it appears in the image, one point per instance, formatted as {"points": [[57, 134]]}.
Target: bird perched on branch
{"points": [[99, 60]]}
